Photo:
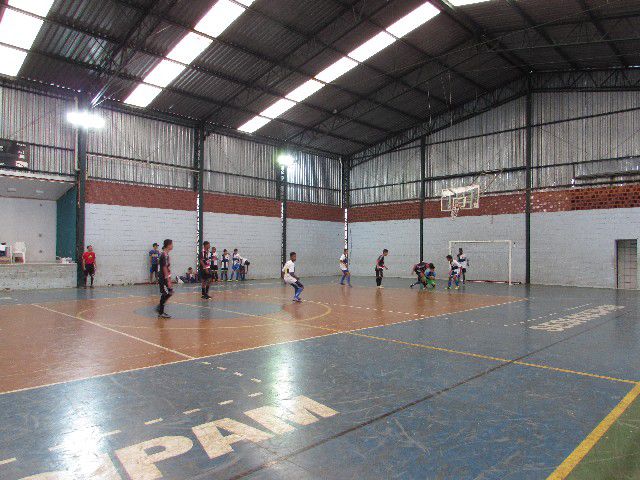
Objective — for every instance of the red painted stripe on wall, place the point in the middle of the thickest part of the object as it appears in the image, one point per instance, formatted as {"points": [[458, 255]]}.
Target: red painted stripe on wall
{"points": [[311, 211], [113, 193], [257, 207]]}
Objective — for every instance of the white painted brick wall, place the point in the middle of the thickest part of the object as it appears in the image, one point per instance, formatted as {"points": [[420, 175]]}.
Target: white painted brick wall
{"points": [[34, 276], [368, 239], [578, 248], [318, 245], [258, 239], [487, 261], [32, 222], [122, 238]]}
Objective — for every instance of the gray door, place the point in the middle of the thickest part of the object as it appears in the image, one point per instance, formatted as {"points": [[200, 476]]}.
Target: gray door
{"points": [[627, 264]]}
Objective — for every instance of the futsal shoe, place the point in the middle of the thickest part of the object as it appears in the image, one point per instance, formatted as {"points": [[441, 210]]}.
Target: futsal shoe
{"points": [[206, 297], [457, 287], [164, 315]]}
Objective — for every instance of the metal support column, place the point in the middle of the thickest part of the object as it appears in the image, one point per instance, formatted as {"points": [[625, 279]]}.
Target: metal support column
{"points": [[198, 164], [528, 162], [423, 175], [346, 182], [282, 191], [81, 185]]}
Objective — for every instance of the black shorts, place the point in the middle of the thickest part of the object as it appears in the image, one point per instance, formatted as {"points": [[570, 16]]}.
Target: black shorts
{"points": [[164, 287], [379, 273], [90, 269], [205, 274]]}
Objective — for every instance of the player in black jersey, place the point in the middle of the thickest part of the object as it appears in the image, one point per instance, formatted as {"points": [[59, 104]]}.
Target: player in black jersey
{"points": [[204, 267], [380, 267], [164, 279]]}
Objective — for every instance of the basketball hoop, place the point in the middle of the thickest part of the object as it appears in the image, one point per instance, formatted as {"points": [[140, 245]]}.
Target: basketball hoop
{"points": [[455, 199]]}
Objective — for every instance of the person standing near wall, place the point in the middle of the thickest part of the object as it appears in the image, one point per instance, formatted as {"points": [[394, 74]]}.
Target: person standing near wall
{"points": [[164, 280], [224, 266], [344, 267], [214, 264], [89, 265], [154, 256], [464, 263], [204, 266], [381, 267]]}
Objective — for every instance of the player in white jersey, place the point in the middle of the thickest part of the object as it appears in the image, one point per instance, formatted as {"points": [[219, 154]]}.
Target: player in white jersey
{"points": [[454, 272], [344, 267], [464, 264], [290, 277]]}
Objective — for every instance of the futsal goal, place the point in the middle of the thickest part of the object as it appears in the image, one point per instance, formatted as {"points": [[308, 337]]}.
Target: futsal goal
{"points": [[489, 260]]}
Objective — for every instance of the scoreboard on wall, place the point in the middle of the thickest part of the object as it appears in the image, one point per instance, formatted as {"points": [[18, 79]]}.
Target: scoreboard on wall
{"points": [[14, 154]]}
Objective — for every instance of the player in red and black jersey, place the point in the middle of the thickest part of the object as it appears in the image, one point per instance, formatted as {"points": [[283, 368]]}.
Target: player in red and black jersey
{"points": [[204, 267], [89, 265], [164, 279], [380, 267], [420, 269]]}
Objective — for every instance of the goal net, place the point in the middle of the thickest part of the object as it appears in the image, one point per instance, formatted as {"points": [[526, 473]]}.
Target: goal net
{"points": [[488, 260]]}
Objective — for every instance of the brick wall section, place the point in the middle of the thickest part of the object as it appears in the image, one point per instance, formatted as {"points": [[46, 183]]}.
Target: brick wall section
{"points": [[112, 193], [626, 196], [310, 211], [257, 207]]}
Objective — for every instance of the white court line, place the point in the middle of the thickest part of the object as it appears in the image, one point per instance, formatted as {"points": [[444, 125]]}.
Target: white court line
{"points": [[8, 460], [184, 355], [110, 434], [151, 422], [102, 375]]}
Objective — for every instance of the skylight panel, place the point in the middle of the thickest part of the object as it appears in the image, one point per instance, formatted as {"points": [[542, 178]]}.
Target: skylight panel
{"points": [[20, 30], [336, 70], [368, 49], [164, 73], [278, 108], [460, 3], [256, 123], [189, 48], [372, 46], [143, 95], [305, 90], [221, 15], [413, 20]]}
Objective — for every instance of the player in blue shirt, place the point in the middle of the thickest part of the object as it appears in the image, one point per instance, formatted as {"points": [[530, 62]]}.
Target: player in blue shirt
{"points": [[154, 256]]}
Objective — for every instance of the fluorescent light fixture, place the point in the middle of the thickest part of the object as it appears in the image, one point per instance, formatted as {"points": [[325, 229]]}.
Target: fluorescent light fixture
{"points": [[413, 20], [372, 46], [20, 30], [285, 160], [221, 15], [254, 124], [305, 90], [368, 49], [459, 3], [143, 95], [189, 48], [12, 190], [12, 60], [278, 108], [336, 70], [164, 73], [85, 119]]}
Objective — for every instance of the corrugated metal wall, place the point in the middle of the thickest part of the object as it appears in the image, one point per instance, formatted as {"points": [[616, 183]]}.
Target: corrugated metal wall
{"points": [[391, 177], [40, 121], [141, 150], [574, 133], [315, 179], [240, 167]]}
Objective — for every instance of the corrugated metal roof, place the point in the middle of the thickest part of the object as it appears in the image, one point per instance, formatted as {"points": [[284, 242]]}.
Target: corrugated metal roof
{"points": [[276, 45]]}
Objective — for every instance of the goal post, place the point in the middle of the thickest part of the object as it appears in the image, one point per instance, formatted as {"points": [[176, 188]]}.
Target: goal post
{"points": [[507, 243]]}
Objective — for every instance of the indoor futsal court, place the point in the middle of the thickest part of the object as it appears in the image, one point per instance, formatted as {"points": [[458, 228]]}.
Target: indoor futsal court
{"points": [[319, 239]]}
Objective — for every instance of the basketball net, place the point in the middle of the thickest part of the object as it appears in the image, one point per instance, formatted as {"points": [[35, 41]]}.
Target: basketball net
{"points": [[456, 206]]}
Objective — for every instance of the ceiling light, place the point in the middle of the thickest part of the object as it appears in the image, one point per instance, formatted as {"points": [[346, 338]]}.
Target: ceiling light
{"points": [[305, 90], [413, 20], [37, 7], [85, 119], [221, 15], [336, 70], [285, 160], [164, 73], [143, 95], [254, 124], [12, 60], [189, 48], [372, 46], [278, 108]]}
